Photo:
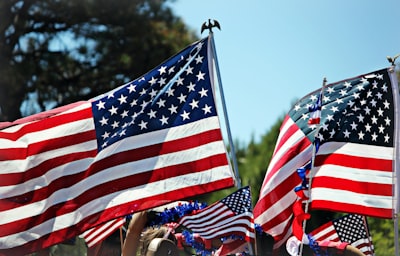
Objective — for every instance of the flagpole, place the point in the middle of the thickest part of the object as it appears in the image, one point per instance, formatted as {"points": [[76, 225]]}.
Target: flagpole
{"points": [[233, 151], [396, 191], [324, 81]]}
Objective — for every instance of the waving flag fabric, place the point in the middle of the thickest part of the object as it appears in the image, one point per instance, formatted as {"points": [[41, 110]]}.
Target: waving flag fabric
{"points": [[151, 141], [355, 159], [231, 216], [350, 228], [97, 234]]}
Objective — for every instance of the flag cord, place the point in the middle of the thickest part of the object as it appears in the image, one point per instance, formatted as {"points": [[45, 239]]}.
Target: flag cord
{"points": [[232, 151], [311, 173]]}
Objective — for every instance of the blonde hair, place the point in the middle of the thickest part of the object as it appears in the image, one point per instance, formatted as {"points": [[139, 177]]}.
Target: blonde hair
{"points": [[149, 234]]}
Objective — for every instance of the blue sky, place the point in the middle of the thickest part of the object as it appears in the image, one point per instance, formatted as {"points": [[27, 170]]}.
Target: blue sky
{"points": [[271, 53]]}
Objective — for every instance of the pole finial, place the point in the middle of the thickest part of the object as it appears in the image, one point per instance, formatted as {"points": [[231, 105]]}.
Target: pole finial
{"points": [[209, 25], [392, 60]]}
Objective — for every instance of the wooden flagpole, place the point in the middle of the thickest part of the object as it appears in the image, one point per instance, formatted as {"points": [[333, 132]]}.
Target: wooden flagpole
{"points": [[311, 174]]}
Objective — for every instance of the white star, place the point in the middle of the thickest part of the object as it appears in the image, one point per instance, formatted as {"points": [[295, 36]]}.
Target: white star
{"points": [[115, 124], [203, 92], [132, 88], [373, 102], [162, 81], [304, 116], [339, 101], [113, 110], [124, 114], [143, 125], [122, 99], [185, 115], [360, 118], [164, 120], [153, 81], [297, 107], [367, 110], [380, 112], [368, 127], [100, 105], [161, 103], [122, 133], [330, 90], [343, 92], [200, 76], [347, 84], [162, 70], [326, 98], [171, 70], [353, 126], [387, 138], [152, 114], [170, 91], [182, 98], [334, 109], [133, 103], [313, 97], [194, 104], [189, 70], [104, 121], [346, 134], [379, 95], [206, 109], [387, 121], [361, 135], [172, 109], [387, 104], [374, 137], [381, 129], [332, 133], [179, 81], [199, 59], [191, 87], [374, 119], [105, 135], [384, 88]]}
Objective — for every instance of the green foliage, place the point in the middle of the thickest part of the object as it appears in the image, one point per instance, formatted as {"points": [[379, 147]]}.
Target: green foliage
{"points": [[62, 51]]}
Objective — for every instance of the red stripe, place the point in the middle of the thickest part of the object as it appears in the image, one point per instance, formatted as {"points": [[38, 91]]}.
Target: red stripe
{"points": [[121, 210], [46, 145], [48, 123], [354, 162], [100, 190], [356, 186], [41, 169]]}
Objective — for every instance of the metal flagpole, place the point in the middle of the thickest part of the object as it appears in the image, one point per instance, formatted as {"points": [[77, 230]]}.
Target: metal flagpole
{"points": [[396, 191], [311, 174], [233, 152], [209, 26]]}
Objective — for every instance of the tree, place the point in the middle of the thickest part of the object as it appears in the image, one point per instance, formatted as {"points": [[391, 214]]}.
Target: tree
{"points": [[54, 52]]}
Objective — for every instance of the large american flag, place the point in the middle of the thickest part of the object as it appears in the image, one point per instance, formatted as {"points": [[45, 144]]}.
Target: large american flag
{"points": [[350, 228], [355, 160], [151, 141], [231, 217]]}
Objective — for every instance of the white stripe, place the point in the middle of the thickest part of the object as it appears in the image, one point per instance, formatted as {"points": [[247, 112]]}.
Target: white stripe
{"points": [[368, 200], [352, 149], [110, 200], [361, 175], [114, 173]]}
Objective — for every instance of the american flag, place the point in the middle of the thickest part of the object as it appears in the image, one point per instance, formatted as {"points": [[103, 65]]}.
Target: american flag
{"points": [[354, 162], [350, 228], [97, 234], [229, 217], [315, 111], [151, 141]]}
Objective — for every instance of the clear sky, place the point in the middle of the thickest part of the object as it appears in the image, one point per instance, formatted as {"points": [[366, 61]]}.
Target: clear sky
{"points": [[271, 53]]}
